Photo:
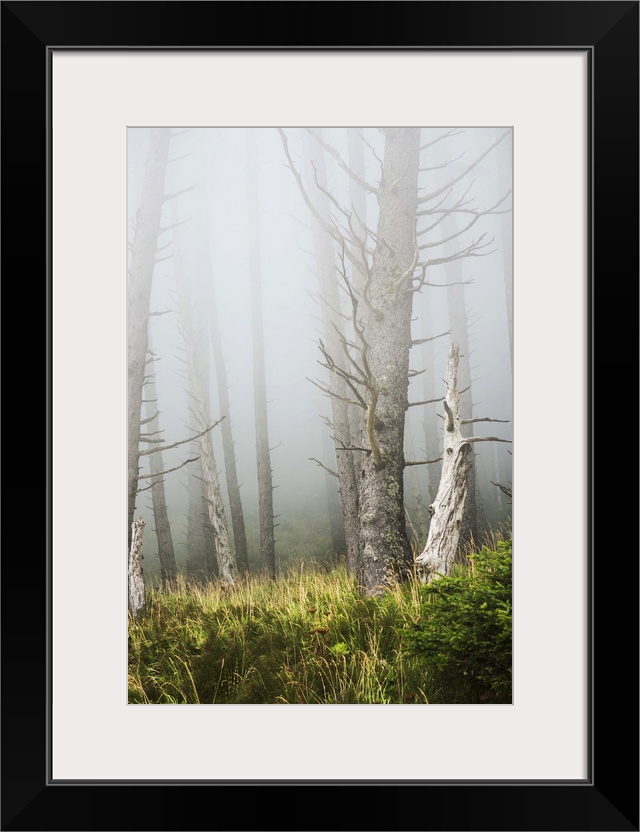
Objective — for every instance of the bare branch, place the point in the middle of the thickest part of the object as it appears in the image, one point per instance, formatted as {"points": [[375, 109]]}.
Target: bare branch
{"points": [[443, 165], [469, 225], [149, 419], [455, 131], [422, 461], [426, 401], [504, 488], [182, 441], [486, 439], [460, 176], [167, 470], [431, 338], [483, 419], [472, 250], [178, 193], [328, 392], [164, 228], [343, 447], [328, 470], [345, 167], [161, 312]]}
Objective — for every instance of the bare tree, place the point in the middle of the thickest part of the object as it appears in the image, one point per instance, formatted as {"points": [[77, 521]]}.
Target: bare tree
{"points": [[143, 257], [333, 324], [447, 510], [386, 271], [206, 287], [152, 436], [263, 452], [136, 578]]}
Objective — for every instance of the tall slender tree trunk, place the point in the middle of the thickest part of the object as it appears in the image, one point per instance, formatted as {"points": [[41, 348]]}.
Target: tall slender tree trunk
{"points": [[334, 505], [504, 160], [263, 452], [383, 541], [196, 540], [202, 420], [138, 297], [198, 388], [207, 285], [460, 336], [333, 334], [430, 418], [166, 553], [416, 505]]}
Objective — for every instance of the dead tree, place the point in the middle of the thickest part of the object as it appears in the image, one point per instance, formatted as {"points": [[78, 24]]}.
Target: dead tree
{"points": [[386, 271], [152, 436], [333, 324], [263, 451], [447, 510], [136, 579], [206, 286], [200, 413], [143, 257]]}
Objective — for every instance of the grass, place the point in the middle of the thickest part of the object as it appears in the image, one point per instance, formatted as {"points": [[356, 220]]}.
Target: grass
{"points": [[307, 638]]}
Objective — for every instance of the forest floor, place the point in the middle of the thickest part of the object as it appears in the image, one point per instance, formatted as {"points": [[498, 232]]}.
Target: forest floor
{"points": [[309, 637]]}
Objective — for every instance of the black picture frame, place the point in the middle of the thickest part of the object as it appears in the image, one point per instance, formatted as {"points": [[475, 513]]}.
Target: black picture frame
{"points": [[608, 798]]}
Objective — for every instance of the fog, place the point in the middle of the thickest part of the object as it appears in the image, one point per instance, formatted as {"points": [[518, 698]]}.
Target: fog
{"points": [[214, 217]]}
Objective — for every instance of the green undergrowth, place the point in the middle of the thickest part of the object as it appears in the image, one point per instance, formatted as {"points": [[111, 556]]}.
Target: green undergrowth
{"points": [[307, 638], [311, 638]]}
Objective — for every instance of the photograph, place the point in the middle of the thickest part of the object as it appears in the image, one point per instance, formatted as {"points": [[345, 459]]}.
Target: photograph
{"points": [[316, 293], [319, 347]]}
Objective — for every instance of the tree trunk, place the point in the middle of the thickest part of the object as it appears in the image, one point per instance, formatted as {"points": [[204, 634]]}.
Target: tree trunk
{"points": [[416, 509], [263, 452], [166, 553], [138, 297], [447, 511], [387, 334], [207, 286], [432, 442], [460, 336], [333, 334], [334, 505], [196, 540], [504, 159], [202, 420], [136, 579]]}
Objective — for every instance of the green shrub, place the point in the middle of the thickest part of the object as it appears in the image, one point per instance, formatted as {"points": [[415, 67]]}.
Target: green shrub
{"points": [[464, 633]]}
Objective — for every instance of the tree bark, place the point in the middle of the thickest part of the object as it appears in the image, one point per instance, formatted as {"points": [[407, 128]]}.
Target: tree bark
{"points": [[166, 553], [263, 452], [460, 336], [202, 420], [447, 510], [387, 333], [136, 579], [207, 286], [416, 508], [196, 536], [432, 442], [504, 159], [333, 334], [138, 298]]}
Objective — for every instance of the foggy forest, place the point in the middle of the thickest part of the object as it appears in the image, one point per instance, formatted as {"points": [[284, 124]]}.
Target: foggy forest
{"points": [[320, 354]]}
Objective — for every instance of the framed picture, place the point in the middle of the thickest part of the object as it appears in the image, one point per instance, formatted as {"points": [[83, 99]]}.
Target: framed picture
{"points": [[564, 77]]}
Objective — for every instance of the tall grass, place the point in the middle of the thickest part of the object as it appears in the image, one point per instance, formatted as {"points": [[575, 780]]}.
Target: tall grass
{"points": [[307, 638]]}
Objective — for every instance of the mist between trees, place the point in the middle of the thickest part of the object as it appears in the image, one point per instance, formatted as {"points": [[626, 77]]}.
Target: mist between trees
{"points": [[320, 349]]}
